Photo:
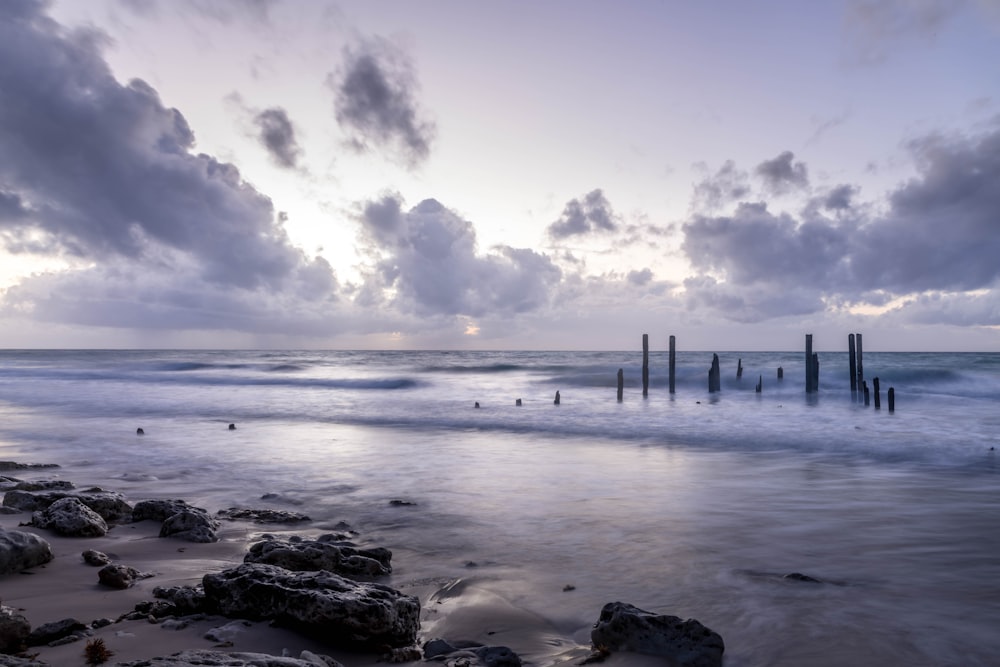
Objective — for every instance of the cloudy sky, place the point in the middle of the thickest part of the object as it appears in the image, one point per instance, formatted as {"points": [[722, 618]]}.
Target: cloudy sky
{"points": [[566, 174]]}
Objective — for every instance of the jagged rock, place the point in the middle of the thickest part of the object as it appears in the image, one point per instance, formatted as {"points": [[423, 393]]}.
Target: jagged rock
{"points": [[120, 576], [71, 518], [321, 554], [161, 510], [95, 558], [7, 483], [261, 515], [191, 526], [320, 604], [14, 465], [184, 599], [50, 632], [624, 627], [45, 485], [110, 505], [14, 630], [20, 550], [201, 657], [400, 655]]}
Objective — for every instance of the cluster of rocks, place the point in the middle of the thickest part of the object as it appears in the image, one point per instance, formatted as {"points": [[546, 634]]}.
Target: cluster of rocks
{"points": [[322, 587]]}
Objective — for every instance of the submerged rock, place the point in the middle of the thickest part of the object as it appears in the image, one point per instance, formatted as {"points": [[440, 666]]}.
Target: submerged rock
{"points": [[321, 604], [201, 657], [261, 515], [162, 509], [321, 554], [20, 550], [71, 518], [110, 505], [624, 627]]}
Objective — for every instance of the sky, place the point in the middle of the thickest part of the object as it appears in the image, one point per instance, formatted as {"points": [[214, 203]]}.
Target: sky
{"points": [[566, 174]]}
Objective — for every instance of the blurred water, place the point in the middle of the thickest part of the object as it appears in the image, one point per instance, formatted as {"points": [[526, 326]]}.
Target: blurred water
{"points": [[693, 505]]}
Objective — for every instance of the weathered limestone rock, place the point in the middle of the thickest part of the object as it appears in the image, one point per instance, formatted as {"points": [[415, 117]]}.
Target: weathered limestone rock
{"points": [[623, 627], [321, 554], [45, 485], [14, 630], [71, 518], [119, 576], [262, 515], [193, 526], [110, 505], [201, 657], [95, 558], [320, 604], [183, 600], [473, 656], [50, 632], [20, 550], [161, 510]]}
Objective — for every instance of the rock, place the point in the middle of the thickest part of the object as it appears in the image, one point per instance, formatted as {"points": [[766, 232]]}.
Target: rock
{"points": [[483, 656], [120, 576], [95, 558], [202, 657], [798, 576], [14, 661], [497, 656], [50, 632], [623, 627], [228, 632], [400, 655], [45, 485], [319, 604], [320, 554], [13, 465], [14, 630], [71, 518], [110, 505], [261, 515], [184, 599], [435, 648], [20, 550], [161, 510], [193, 526]]}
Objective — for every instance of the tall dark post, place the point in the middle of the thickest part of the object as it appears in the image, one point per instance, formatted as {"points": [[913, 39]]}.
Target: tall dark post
{"points": [[673, 362], [621, 384], [739, 368], [861, 370], [781, 373], [556, 400], [892, 400], [853, 361], [645, 365], [815, 372], [864, 385], [760, 384], [714, 378], [878, 397], [809, 364]]}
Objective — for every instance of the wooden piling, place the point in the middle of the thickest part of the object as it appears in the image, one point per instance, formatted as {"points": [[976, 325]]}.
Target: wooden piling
{"points": [[714, 379], [739, 368], [760, 384], [878, 397], [864, 384], [861, 370], [853, 363], [645, 365], [517, 403], [621, 384], [815, 372], [556, 401], [812, 366], [781, 373], [892, 400], [673, 362]]}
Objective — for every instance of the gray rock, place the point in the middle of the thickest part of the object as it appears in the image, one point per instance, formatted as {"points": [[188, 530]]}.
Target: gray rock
{"points": [[110, 505], [161, 510], [321, 604], [50, 632], [20, 550], [95, 558], [193, 526], [45, 485], [184, 599], [14, 630], [262, 515], [313, 555], [15, 661], [120, 576], [13, 465], [624, 627], [201, 658], [497, 656], [71, 518]]}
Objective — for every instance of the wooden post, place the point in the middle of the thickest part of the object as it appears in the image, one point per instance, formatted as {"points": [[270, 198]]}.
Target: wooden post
{"points": [[878, 397], [621, 384], [892, 400], [556, 401], [815, 372], [809, 364], [861, 370], [645, 365], [760, 384], [673, 362], [853, 362], [517, 402], [714, 379], [865, 385], [739, 368], [781, 373]]}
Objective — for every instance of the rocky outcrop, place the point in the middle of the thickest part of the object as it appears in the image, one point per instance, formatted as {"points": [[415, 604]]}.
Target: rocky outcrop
{"points": [[20, 550], [321, 604], [201, 657], [323, 553], [473, 656], [70, 518], [56, 631], [624, 627], [262, 515], [161, 509], [191, 525], [14, 630], [110, 505]]}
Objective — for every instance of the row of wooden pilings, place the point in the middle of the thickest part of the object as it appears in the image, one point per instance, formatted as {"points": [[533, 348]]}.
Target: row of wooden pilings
{"points": [[859, 386]]}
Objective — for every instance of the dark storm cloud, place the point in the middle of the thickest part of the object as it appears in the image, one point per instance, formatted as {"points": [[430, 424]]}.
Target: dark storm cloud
{"points": [[277, 135], [106, 172], [375, 101], [781, 175], [939, 233], [592, 213], [428, 256], [727, 185]]}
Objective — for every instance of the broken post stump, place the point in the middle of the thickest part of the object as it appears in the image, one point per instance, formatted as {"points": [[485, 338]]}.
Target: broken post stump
{"points": [[645, 365], [760, 384], [864, 384], [892, 400], [714, 379], [739, 368], [861, 371], [878, 397], [781, 373], [673, 362], [517, 402], [556, 401], [621, 384]]}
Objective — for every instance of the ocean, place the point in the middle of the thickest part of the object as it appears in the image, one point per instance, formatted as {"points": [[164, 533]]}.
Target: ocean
{"points": [[691, 504]]}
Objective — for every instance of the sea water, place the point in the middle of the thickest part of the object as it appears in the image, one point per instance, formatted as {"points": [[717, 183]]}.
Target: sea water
{"points": [[691, 504]]}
